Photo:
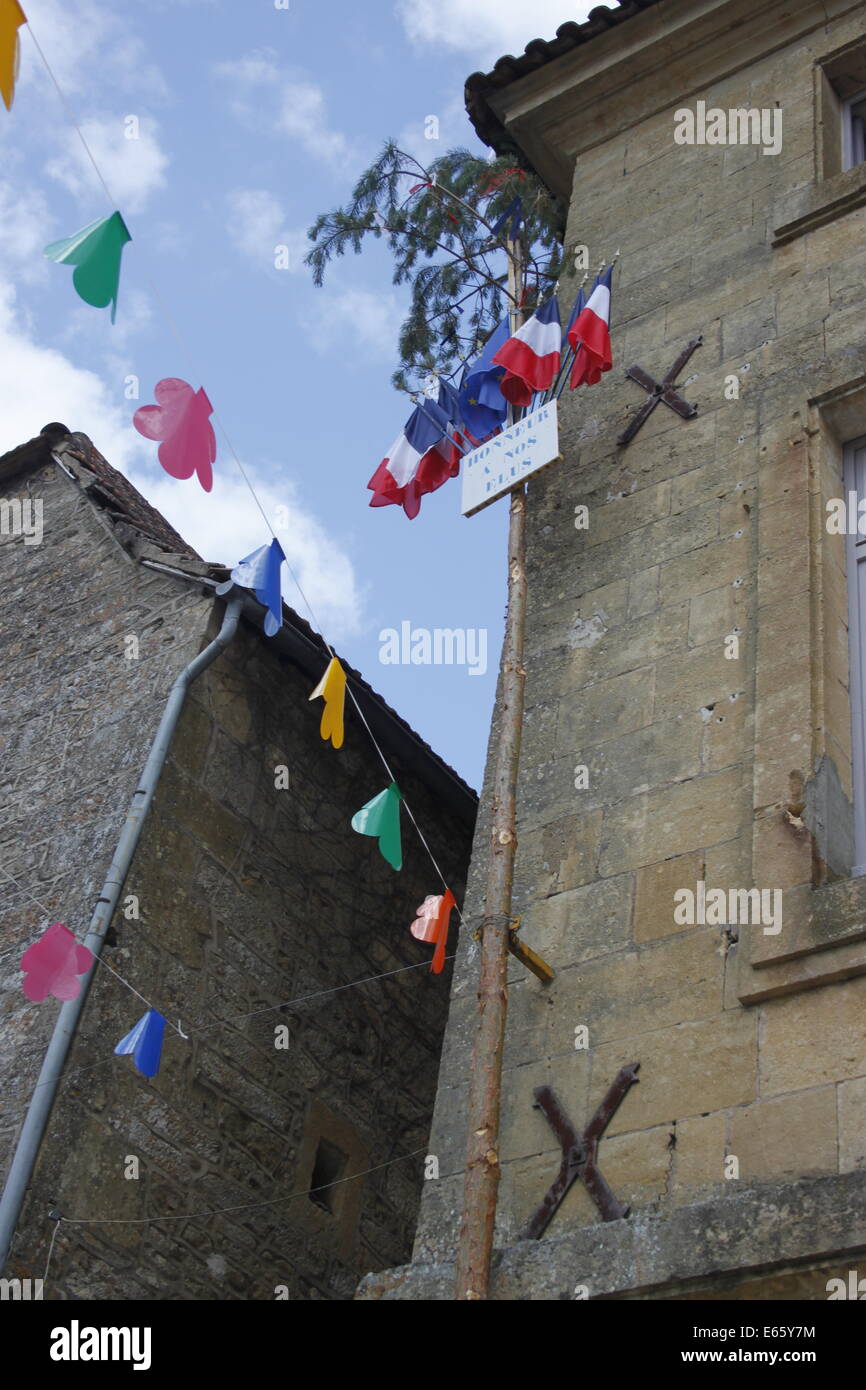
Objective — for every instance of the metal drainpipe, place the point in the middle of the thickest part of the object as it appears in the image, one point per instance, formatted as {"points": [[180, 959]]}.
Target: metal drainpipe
{"points": [[33, 1129]]}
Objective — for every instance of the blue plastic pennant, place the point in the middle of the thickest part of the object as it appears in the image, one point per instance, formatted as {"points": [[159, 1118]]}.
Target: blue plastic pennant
{"points": [[262, 572], [145, 1043]]}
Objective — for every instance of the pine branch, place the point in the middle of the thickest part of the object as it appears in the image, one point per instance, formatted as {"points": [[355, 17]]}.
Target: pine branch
{"points": [[440, 226]]}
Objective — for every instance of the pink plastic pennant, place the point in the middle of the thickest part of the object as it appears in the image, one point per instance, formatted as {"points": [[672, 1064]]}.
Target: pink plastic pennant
{"points": [[53, 964], [181, 421], [426, 924]]}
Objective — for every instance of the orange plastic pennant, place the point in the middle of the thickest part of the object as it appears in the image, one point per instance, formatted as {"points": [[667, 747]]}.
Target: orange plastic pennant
{"points": [[11, 18], [431, 924]]}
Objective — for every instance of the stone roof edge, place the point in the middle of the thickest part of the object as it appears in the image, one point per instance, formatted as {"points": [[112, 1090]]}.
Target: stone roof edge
{"points": [[538, 52], [308, 649]]}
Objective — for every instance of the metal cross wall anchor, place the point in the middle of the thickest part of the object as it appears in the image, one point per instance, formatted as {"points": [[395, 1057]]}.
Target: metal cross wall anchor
{"points": [[661, 391], [580, 1154]]}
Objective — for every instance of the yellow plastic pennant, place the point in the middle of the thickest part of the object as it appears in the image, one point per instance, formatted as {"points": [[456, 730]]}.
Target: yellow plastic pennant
{"points": [[332, 689], [11, 18]]}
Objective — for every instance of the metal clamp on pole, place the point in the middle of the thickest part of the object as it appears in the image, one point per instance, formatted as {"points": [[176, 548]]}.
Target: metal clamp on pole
{"points": [[527, 957], [517, 948]]}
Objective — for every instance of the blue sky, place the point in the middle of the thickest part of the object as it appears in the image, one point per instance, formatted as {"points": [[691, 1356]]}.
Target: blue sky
{"points": [[252, 119]]}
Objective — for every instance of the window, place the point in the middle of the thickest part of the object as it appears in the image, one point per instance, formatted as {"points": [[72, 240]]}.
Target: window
{"points": [[855, 482], [328, 1169], [841, 109], [854, 131], [331, 1164]]}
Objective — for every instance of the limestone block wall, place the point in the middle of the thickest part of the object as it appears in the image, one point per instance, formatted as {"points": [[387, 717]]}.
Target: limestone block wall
{"points": [[76, 721], [701, 767], [248, 895]]}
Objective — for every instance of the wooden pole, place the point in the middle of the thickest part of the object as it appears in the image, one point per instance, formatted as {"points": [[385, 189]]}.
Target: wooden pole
{"points": [[481, 1179]]}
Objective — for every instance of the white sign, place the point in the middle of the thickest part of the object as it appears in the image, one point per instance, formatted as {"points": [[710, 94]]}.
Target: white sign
{"points": [[506, 459]]}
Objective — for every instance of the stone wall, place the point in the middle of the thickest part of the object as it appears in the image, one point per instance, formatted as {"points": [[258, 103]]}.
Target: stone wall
{"points": [[702, 766], [247, 896]]}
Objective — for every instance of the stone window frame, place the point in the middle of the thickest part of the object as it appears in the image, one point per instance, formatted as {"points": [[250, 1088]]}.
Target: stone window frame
{"points": [[854, 454], [824, 914], [341, 1223], [838, 185]]}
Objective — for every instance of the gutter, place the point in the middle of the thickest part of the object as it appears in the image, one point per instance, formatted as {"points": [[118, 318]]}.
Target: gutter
{"points": [[45, 1092]]}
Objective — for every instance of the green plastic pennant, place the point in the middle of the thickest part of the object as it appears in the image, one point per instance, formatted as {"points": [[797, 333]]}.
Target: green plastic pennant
{"points": [[381, 817], [95, 252]]}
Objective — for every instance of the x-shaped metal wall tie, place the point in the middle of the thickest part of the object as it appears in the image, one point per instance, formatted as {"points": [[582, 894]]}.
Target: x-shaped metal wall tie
{"points": [[580, 1153], [661, 391]]}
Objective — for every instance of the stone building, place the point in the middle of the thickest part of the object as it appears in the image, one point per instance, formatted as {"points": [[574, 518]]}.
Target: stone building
{"points": [[248, 896], [698, 649]]}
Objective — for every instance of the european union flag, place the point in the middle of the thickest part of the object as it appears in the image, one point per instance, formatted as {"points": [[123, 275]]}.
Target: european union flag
{"points": [[482, 404]]}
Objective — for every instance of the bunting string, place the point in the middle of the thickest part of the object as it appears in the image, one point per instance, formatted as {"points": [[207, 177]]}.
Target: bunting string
{"points": [[186, 353], [196, 1030], [54, 1235], [59, 1220], [243, 1206], [64, 251]]}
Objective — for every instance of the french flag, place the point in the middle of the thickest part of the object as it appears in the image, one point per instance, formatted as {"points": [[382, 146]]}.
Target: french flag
{"points": [[422, 458], [589, 336], [531, 357]]}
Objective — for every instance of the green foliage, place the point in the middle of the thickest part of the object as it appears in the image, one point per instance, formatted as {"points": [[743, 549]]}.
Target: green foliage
{"points": [[438, 224]]}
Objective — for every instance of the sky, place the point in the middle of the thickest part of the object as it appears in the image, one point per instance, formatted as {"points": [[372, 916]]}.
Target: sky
{"points": [[249, 121]]}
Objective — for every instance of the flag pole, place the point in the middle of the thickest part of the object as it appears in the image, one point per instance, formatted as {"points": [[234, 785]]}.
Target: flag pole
{"points": [[481, 1178]]}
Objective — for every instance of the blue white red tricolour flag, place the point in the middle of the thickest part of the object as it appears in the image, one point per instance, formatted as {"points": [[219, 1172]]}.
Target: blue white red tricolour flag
{"points": [[589, 335], [513, 214], [577, 309], [449, 402], [422, 458], [531, 357]]}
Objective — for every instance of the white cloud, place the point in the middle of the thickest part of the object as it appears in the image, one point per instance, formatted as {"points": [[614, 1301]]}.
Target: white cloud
{"points": [[69, 35], [486, 28], [85, 328], [453, 130], [350, 315], [26, 227], [132, 169], [227, 525], [169, 237], [295, 106], [38, 384], [304, 118], [257, 226], [256, 69], [81, 38]]}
